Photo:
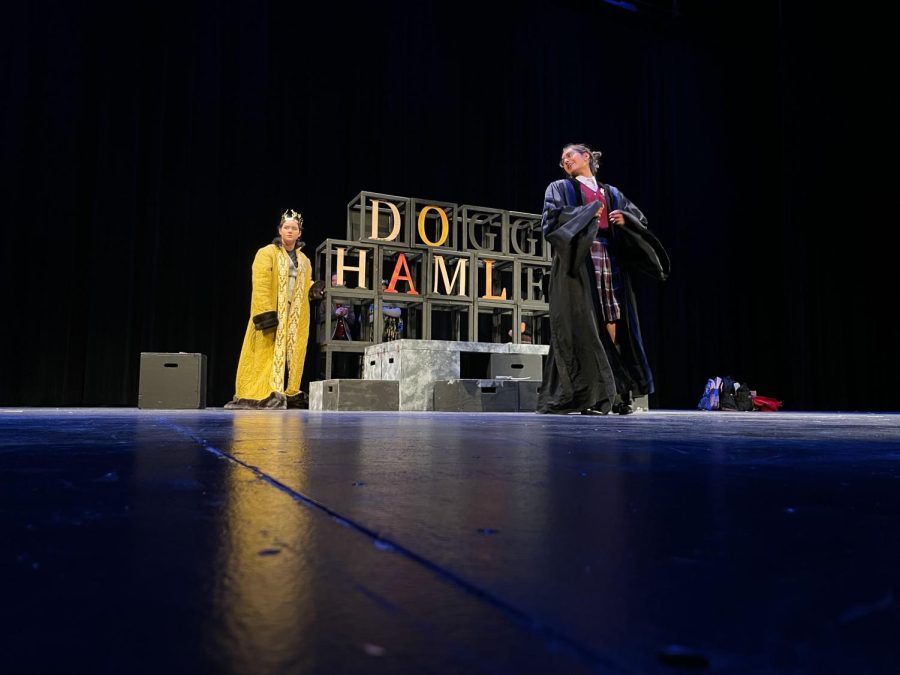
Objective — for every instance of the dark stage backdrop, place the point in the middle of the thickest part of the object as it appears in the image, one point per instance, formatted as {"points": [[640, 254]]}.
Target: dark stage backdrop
{"points": [[148, 150]]}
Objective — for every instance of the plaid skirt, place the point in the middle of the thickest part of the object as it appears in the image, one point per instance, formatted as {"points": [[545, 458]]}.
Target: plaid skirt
{"points": [[606, 273]]}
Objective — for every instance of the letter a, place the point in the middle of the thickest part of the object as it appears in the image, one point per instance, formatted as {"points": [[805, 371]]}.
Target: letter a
{"points": [[395, 277]]}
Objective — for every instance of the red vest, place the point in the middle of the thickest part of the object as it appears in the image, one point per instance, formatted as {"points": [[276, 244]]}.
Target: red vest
{"points": [[596, 196]]}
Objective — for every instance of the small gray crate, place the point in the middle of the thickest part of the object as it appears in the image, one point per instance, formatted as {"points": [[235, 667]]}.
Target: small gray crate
{"points": [[516, 365], [172, 381], [528, 395], [476, 396], [360, 395]]}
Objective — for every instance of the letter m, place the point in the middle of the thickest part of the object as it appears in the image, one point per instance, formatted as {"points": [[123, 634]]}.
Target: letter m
{"points": [[440, 273]]}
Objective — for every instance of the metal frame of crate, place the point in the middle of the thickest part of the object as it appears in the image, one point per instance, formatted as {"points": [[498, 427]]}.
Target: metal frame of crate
{"points": [[522, 248]]}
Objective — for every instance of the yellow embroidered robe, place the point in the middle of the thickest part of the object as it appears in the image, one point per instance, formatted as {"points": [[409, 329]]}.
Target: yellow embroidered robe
{"points": [[264, 353]]}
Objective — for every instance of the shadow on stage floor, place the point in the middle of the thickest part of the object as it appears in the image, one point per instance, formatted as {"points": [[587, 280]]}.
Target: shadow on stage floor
{"points": [[213, 541]]}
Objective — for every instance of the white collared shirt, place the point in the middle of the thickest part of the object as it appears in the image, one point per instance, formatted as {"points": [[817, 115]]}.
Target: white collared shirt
{"points": [[590, 181]]}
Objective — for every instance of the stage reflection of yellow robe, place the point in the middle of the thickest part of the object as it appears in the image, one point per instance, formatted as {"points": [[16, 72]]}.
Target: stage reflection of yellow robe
{"points": [[261, 366]]}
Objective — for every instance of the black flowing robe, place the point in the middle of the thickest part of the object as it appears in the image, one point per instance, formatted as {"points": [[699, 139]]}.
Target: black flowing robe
{"points": [[584, 369]]}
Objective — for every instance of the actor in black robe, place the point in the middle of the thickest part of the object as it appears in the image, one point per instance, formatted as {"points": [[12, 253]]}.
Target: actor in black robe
{"points": [[585, 371]]}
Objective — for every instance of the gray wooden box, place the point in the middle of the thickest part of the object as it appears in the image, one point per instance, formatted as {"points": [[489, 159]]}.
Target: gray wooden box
{"points": [[172, 381], [528, 395], [476, 396], [360, 395], [516, 365]]}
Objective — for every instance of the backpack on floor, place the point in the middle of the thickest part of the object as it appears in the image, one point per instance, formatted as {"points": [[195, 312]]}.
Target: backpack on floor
{"points": [[743, 398], [710, 398], [726, 396]]}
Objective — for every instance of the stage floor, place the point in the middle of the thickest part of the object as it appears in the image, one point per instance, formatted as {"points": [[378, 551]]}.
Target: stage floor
{"points": [[140, 541]]}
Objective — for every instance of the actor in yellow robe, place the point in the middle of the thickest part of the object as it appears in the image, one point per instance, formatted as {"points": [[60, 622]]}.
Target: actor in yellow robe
{"points": [[278, 328]]}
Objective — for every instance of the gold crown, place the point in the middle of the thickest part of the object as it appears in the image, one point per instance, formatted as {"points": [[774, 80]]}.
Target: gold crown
{"points": [[290, 214]]}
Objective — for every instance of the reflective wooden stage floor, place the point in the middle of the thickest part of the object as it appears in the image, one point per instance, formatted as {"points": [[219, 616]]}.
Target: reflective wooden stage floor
{"points": [[138, 541]]}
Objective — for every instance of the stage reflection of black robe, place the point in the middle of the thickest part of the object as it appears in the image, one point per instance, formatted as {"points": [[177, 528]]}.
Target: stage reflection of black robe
{"points": [[583, 368]]}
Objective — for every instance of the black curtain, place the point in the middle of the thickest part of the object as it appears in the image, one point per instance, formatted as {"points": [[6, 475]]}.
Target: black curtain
{"points": [[148, 150]]}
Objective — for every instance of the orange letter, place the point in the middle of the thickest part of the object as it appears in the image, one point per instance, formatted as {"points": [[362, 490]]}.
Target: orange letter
{"points": [[395, 277], [445, 226], [488, 283]]}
